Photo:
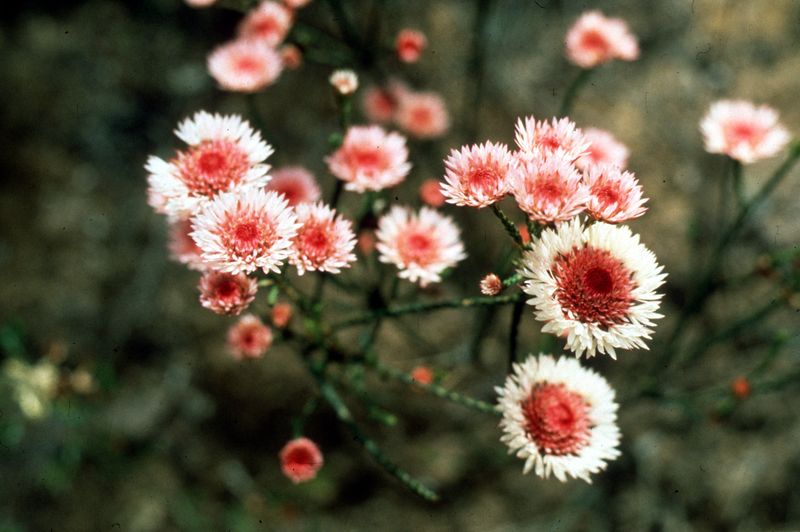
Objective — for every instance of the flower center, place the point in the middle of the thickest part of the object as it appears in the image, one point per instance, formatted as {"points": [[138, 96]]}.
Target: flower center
{"points": [[594, 41], [368, 159], [226, 289], [300, 456], [422, 116], [556, 419], [315, 239], [247, 63], [606, 195], [265, 27], [418, 247], [549, 190], [483, 179], [744, 132], [212, 166], [251, 237]]}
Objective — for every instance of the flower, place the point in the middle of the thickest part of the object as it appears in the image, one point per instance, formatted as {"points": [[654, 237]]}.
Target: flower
{"points": [[281, 315], [549, 189], [244, 65], [300, 460], [245, 231], [491, 285], [324, 241], [524, 234], [249, 338], [182, 248], [224, 293], [614, 196], [296, 4], [366, 242], [422, 245], [603, 150], [370, 159], [743, 131], [422, 114], [595, 39], [422, 375], [559, 417], [740, 387], [477, 175], [291, 56], [430, 192], [595, 286], [269, 22], [410, 44], [200, 3], [379, 104], [536, 138], [296, 183], [344, 81]]}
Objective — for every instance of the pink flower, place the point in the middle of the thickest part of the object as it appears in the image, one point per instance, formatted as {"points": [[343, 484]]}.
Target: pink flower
{"points": [[614, 196], [224, 293], [296, 183], [249, 338], [430, 192], [291, 56], [595, 39], [604, 150], [379, 104], [524, 234], [743, 131], [281, 315], [182, 248], [422, 245], [224, 154], [300, 460], [422, 114], [537, 138], [478, 175], [269, 23], [296, 4], [491, 285], [370, 159], [242, 232], [324, 241], [244, 65], [422, 374], [200, 3], [345, 81], [410, 44], [366, 242], [549, 188]]}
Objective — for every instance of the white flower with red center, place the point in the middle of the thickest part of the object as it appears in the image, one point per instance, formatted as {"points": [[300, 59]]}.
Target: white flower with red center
{"points": [[410, 44], [301, 459], [593, 286], [560, 417], [224, 293], [249, 338], [345, 81], [614, 196], [595, 39], [224, 154], [183, 248], [247, 230], [370, 159], [604, 150], [296, 4], [200, 3], [538, 138], [296, 183], [324, 241], [422, 245], [478, 175], [245, 65], [269, 23], [743, 131], [549, 188], [491, 285], [423, 114]]}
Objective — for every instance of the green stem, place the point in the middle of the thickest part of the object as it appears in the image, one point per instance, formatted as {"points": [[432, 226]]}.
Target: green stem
{"points": [[508, 225], [513, 333], [572, 91], [476, 67], [299, 423]]}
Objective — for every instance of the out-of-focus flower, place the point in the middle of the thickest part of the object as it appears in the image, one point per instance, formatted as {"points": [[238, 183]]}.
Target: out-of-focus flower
{"points": [[549, 188], [595, 39], [409, 45], [422, 245], [366, 242], [296, 4], [491, 285], [245, 65], [296, 183], [200, 3], [33, 386], [743, 131], [603, 150], [430, 192], [559, 417], [269, 22], [539, 138], [324, 241], [740, 387], [593, 286], [242, 232], [614, 196], [524, 234], [423, 114], [370, 159], [478, 175], [281, 315], [182, 247], [291, 56], [422, 374], [224, 154], [224, 293], [344, 81], [81, 381], [380, 104], [249, 338], [301, 459]]}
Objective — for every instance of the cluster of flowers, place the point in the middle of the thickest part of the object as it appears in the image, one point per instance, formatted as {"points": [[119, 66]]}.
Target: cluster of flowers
{"points": [[422, 114]]}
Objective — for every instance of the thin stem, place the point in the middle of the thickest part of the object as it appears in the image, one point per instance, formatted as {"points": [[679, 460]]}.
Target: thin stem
{"points": [[572, 91], [476, 67], [513, 333], [299, 423], [508, 225], [738, 185]]}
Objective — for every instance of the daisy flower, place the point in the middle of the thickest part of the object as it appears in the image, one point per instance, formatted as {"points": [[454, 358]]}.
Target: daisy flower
{"points": [[478, 175], [743, 131], [595, 39], [604, 150], [269, 22], [324, 241], [370, 159], [345, 81], [538, 138], [301, 459], [249, 338], [423, 115], [549, 188], [296, 183], [224, 293], [614, 196], [244, 65]]}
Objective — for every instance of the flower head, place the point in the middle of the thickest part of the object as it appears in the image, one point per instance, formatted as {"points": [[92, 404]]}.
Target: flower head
{"points": [[269, 22], [491, 285], [595, 39], [603, 150], [296, 183], [594, 286], [344, 81], [430, 192], [300, 460], [743, 131], [182, 247], [370, 159], [422, 245], [538, 138], [281, 315], [296, 4], [410, 44], [200, 3], [549, 188], [291, 56], [478, 175], [249, 338], [559, 417], [422, 374], [224, 293], [324, 241], [422, 114], [614, 196], [244, 65], [380, 104]]}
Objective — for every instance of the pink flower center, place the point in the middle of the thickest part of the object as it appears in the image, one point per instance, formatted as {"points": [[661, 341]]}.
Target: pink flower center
{"points": [[247, 63], [226, 289], [300, 459], [594, 41], [368, 159], [249, 237], [744, 132], [607, 194], [316, 240], [212, 166], [550, 141], [421, 116], [483, 179], [593, 286], [265, 27], [557, 420], [548, 190], [293, 191], [418, 247]]}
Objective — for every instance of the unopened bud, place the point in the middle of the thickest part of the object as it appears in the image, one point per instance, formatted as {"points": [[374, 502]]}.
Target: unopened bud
{"points": [[491, 285]]}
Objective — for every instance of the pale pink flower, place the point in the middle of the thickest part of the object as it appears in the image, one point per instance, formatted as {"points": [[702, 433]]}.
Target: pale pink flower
{"points": [[604, 150], [422, 374], [540, 138], [291, 56], [249, 338], [301, 459], [200, 3], [410, 44], [379, 104], [245, 231], [478, 175], [183, 248], [366, 242], [430, 192], [614, 196], [224, 154], [324, 241], [244, 65], [224, 293], [269, 22], [296, 4], [281, 315], [370, 159], [345, 81], [422, 114], [743, 131], [595, 39], [296, 183], [422, 245], [549, 189], [491, 285]]}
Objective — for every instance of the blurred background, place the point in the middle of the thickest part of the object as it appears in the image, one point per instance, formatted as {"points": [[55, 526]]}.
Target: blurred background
{"points": [[120, 408]]}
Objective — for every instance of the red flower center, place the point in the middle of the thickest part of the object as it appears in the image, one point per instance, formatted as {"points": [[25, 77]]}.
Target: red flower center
{"points": [[369, 159], [249, 237], [226, 288], [594, 41], [418, 247], [744, 132], [212, 166], [557, 419], [607, 194], [247, 63], [300, 457], [265, 27], [483, 179], [316, 240], [421, 116]]}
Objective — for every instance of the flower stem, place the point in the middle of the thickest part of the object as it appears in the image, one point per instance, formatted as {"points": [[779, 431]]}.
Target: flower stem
{"points": [[513, 333], [508, 225], [572, 91]]}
